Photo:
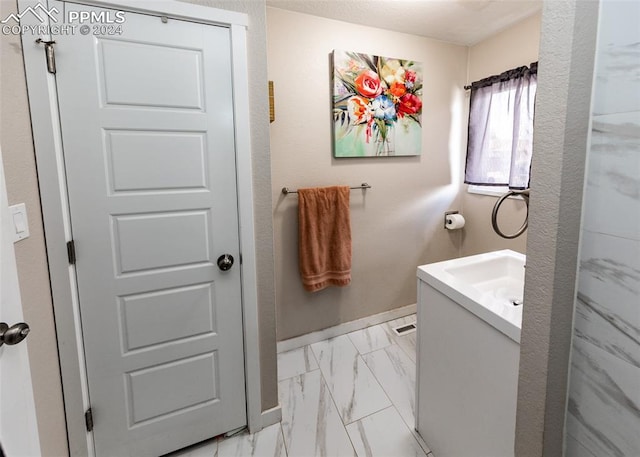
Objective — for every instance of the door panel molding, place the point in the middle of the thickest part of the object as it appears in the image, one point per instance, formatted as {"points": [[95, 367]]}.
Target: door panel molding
{"points": [[53, 194]]}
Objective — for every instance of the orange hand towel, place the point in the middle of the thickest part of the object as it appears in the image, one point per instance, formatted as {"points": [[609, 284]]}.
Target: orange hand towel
{"points": [[324, 237]]}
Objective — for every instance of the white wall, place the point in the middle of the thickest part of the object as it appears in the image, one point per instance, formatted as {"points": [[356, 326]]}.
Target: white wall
{"points": [[513, 47], [398, 224]]}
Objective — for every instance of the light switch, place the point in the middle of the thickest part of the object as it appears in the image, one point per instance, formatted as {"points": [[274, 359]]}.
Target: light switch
{"points": [[20, 222]]}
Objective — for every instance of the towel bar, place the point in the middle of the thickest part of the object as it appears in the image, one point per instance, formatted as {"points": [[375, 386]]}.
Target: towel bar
{"points": [[364, 185]]}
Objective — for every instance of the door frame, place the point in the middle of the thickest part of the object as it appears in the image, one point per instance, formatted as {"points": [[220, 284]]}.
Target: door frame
{"points": [[47, 139]]}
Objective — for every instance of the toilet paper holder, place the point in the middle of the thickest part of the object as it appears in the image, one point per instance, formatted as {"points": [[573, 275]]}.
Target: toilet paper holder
{"points": [[447, 213]]}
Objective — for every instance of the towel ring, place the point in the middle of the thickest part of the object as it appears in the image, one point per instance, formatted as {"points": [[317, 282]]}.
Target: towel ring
{"points": [[494, 215]]}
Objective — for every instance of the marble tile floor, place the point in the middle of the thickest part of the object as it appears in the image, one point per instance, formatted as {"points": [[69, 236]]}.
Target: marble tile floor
{"points": [[348, 396]]}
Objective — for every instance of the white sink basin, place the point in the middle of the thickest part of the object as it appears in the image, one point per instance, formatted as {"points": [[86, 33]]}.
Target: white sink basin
{"points": [[487, 285]]}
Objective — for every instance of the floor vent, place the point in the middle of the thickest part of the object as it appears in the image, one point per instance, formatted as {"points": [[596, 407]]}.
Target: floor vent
{"points": [[404, 329]]}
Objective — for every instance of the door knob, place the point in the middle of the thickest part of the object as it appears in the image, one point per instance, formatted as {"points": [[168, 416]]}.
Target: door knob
{"points": [[225, 262], [14, 334]]}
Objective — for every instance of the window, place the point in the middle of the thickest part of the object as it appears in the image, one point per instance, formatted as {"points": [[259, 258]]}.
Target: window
{"points": [[500, 137]]}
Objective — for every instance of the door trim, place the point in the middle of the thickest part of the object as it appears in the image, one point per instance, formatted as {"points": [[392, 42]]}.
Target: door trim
{"points": [[55, 208]]}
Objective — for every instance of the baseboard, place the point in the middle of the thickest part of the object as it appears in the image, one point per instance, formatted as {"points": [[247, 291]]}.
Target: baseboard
{"points": [[271, 416], [342, 329]]}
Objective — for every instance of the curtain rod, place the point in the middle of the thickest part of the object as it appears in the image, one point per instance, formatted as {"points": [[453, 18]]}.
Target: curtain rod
{"points": [[504, 76]]}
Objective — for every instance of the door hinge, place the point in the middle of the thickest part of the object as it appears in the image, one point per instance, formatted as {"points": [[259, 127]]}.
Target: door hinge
{"points": [[88, 420], [50, 54], [71, 252]]}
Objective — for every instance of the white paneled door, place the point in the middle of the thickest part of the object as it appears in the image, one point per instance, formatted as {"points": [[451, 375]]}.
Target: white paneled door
{"points": [[148, 135]]}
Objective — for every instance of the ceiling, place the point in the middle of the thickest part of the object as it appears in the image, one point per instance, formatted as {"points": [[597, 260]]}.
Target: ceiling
{"points": [[465, 22]]}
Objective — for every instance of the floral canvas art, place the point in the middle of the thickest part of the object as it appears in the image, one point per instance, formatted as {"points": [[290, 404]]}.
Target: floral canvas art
{"points": [[377, 105]]}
